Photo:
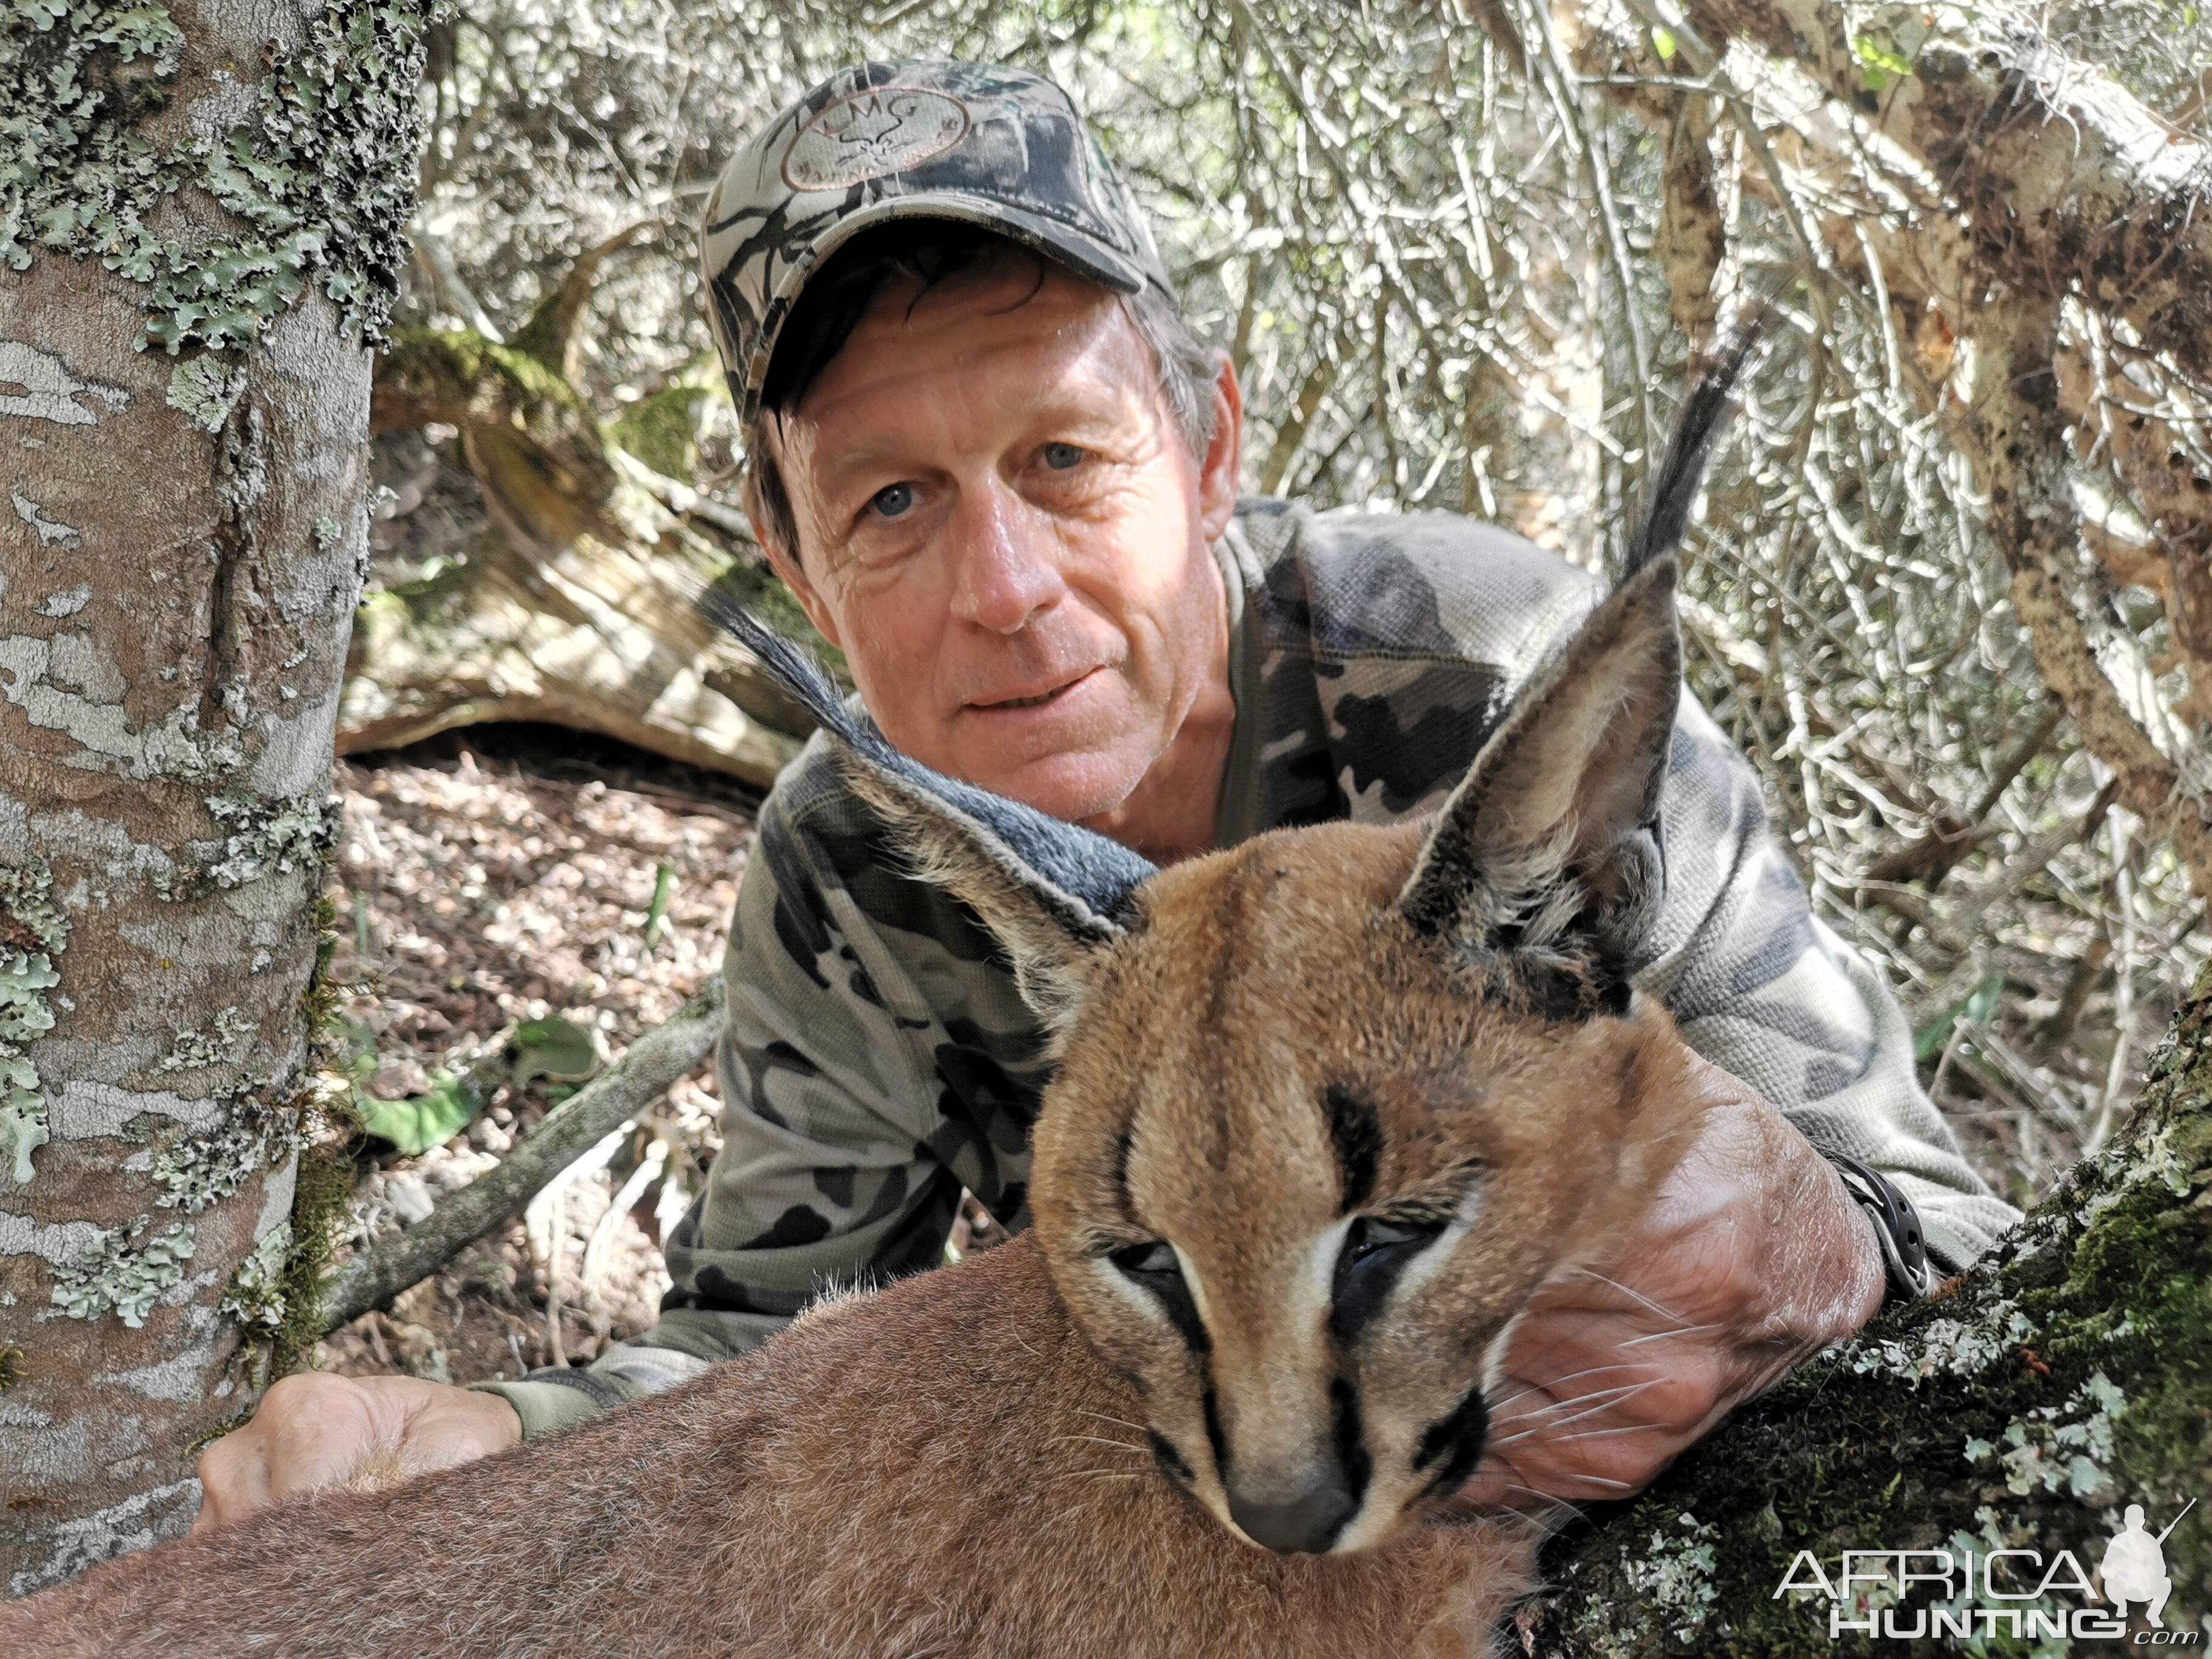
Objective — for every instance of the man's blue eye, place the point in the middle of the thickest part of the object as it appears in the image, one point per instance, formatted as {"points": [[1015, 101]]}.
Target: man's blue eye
{"points": [[1060, 457], [893, 500]]}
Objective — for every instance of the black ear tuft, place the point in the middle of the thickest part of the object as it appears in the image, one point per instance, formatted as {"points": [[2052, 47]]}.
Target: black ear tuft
{"points": [[1705, 413]]}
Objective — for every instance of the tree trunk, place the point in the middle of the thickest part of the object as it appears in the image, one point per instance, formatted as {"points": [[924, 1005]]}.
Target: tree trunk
{"points": [[181, 565], [2063, 1379]]}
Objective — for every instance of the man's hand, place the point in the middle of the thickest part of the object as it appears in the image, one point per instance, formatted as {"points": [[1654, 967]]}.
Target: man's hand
{"points": [[1753, 1257], [315, 1429]]}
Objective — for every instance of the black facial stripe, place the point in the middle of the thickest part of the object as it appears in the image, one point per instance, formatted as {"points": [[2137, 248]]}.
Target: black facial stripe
{"points": [[1123, 1143], [1454, 1444], [1357, 1134], [1214, 1438], [1182, 1311], [1172, 1462], [1351, 1440]]}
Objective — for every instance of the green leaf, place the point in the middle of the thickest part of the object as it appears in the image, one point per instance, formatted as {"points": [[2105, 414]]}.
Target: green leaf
{"points": [[1663, 40], [416, 1125], [1975, 1008], [1880, 61], [552, 1048], [664, 884]]}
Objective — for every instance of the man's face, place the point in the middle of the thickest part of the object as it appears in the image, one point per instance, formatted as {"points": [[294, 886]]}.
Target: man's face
{"points": [[1001, 526]]}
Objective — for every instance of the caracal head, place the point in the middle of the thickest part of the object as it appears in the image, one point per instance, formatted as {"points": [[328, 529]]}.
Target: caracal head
{"points": [[1299, 1169], [1332, 1103]]}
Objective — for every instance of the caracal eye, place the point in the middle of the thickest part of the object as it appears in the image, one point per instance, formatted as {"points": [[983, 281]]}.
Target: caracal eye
{"points": [[893, 500], [1375, 1234], [1061, 458], [1155, 1258]]}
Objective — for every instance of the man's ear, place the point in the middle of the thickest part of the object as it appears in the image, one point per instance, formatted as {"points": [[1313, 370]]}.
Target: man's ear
{"points": [[1220, 470], [1052, 894]]}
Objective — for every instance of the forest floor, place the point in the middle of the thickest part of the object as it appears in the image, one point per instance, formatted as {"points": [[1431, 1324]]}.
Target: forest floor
{"points": [[506, 873]]}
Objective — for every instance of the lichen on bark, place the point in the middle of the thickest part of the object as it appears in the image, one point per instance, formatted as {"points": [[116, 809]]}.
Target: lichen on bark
{"points": [[33, 933], [307, 177], [111, 1275], [2059, 1381]]}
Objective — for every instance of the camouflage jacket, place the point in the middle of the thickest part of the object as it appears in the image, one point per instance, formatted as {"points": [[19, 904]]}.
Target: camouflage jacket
{"points": [[877, 1059]]}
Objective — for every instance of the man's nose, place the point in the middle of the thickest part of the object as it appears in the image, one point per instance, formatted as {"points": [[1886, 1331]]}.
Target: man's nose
{"points": [[1004, 566], [1306, 1521]]}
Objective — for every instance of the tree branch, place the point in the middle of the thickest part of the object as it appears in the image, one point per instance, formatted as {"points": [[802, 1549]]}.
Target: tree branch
{"points": [[640, 1077], [2069, 182], [554, 331]]}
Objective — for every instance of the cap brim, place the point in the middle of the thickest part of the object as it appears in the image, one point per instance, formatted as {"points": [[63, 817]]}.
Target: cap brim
{"points": [[1086, 256]]}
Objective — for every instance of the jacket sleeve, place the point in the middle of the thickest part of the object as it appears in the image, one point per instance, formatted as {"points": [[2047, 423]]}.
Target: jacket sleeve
{"points": [[1763, 989], [829, 1171]]}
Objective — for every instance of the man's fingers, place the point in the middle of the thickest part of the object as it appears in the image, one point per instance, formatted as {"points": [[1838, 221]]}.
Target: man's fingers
{"points": [[311, 1429], [314, 1429], [233, 1474]]}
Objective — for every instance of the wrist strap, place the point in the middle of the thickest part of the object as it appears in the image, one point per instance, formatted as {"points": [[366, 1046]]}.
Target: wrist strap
{"points": [[1896, 1225]]}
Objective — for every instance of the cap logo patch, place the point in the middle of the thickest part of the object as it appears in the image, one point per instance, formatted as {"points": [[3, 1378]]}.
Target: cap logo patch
{"points": [[869, 134]]}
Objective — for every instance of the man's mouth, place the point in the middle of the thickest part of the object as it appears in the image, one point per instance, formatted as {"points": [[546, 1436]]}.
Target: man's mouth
{"points": [[1041, 697]]}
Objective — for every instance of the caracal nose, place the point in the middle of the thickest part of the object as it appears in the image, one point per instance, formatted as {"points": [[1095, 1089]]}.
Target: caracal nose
{"points": [[1308, 1522]]}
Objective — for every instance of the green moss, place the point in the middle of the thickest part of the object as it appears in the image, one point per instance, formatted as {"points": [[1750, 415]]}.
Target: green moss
{"points": [[2063, 1379], [321, 1206], [455, 374], [322, 1001], [282, 1301], [12, 1366], [316, 182], [33, 933], [663, 430]]}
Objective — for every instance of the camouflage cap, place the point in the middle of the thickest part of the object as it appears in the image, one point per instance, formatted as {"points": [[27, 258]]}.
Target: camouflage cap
{"points": [[983, 143]]}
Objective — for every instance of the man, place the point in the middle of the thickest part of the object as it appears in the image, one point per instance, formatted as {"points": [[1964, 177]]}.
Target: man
{"points": [[992, 463]]}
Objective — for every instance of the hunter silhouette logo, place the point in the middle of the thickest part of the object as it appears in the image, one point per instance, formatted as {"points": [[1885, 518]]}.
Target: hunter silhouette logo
{"points": [[2134, 1566], [1974, 1594], [883, 129]]}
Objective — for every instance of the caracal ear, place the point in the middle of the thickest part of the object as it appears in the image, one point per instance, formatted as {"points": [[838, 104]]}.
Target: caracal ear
{"points": [[1050, 892], [1548, 852]]}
